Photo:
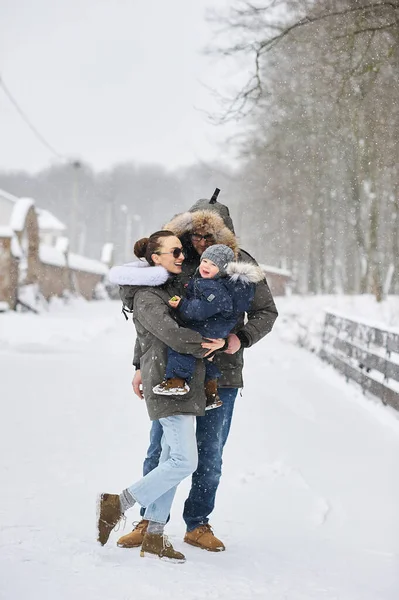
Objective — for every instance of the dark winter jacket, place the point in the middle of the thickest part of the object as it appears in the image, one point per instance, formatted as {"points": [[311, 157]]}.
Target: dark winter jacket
{"points": [[146, 290], [215, 219], [213, 306]]}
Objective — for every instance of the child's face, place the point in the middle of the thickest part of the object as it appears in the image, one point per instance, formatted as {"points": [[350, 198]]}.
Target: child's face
{"points": [[208, 269]]}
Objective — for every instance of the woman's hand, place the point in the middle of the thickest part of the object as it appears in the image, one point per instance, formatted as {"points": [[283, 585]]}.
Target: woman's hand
{"points": [[213, 345], [174, 302], [137, 384]]}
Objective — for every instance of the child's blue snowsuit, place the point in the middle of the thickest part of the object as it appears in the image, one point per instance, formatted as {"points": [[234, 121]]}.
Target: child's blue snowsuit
{"points": [[212, 307]]}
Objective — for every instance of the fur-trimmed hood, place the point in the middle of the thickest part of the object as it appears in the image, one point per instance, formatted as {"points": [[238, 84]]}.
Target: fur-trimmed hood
{"points": [[138, 273], [208, 220], [245, 272], [220, 209]]}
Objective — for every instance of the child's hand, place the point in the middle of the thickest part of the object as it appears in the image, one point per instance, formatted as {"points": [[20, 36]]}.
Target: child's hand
{"points": [[174, 301]]}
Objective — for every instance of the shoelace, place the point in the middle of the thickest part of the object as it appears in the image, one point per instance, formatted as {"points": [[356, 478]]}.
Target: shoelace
{"points": [[166, 542], [136, 524], [204, 528], [118, 525]]}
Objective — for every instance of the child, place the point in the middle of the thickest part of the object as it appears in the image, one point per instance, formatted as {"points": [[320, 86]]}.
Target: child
{"points": [[214, 302]]}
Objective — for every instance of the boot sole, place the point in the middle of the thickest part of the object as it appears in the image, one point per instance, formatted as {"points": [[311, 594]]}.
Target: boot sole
{"points": [[172, 392], [144, 554], [212, 406], [197, 545], [131, 546], [98, 512]]}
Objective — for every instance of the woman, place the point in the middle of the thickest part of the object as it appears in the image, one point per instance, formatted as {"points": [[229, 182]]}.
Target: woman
{"points": [[157, 330]]}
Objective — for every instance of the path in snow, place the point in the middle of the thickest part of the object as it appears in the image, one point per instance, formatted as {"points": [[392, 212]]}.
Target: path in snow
{"points": [[307, 505]]}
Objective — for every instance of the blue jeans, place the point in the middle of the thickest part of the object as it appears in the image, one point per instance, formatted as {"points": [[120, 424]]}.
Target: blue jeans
{"points": [[178, 460], [212, 433]]}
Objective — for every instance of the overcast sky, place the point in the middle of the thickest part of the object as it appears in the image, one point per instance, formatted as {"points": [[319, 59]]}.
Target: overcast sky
{"points": [[108, 81]]}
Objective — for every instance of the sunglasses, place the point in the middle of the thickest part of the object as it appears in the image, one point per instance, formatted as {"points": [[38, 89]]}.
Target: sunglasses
{"points": [[197, 237], [176, 252]]}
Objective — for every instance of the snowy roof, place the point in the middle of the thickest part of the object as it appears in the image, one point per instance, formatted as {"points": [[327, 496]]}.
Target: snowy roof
{"points": [[48, 221], [51, 256], [8, 196], [5, 232], [276, 270], [19, 213], [62, 244], [87, 265]]}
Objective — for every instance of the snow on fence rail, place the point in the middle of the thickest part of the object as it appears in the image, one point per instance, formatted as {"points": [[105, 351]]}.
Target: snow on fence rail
{"points": [[369, 355]]}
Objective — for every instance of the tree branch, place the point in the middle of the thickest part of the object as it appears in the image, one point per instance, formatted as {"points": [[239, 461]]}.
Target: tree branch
{"points": [[308, 20], [252, 92]]}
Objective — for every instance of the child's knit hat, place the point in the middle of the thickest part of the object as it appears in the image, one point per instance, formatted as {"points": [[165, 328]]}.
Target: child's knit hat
{"points": [[219, 254]]}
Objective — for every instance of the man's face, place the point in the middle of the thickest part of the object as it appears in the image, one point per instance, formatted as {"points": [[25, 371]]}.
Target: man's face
{"points": [[201, 240]]}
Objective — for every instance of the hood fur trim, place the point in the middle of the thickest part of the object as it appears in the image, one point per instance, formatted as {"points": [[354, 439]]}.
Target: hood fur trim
{"points": [[245, 272], [138, 273], [208, 220]]}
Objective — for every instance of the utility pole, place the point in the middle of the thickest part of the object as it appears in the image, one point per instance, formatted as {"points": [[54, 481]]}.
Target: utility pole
{"points": [[109, 217]]}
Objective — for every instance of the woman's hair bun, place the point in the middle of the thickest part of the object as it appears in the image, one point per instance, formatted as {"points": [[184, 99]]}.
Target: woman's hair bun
{"points": [[140, 247]]}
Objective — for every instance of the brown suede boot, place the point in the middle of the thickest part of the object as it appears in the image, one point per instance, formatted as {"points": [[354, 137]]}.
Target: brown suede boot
{"points": [[176, 386], [108, 514], [135, 537], [158, 545], [211, 393], [203, 537]]}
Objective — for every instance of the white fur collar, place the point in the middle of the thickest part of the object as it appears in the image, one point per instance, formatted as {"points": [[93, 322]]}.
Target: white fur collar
{"points": [[245, 271], [138, 273]]}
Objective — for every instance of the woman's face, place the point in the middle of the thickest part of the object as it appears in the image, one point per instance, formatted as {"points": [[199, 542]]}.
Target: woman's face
{"points": [[165, 258]]}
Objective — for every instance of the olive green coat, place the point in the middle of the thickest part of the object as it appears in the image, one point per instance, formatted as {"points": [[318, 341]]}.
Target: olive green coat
{"points": [[156, 330]]}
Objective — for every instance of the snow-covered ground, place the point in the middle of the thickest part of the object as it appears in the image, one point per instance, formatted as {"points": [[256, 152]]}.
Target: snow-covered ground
{"points": [[308, 505]]}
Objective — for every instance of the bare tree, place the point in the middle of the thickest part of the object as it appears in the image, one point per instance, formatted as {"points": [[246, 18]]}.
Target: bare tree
{"points": [[321, 146]]}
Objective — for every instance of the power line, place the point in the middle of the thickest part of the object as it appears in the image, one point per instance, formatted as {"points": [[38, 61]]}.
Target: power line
{"points": [[40, 137]]}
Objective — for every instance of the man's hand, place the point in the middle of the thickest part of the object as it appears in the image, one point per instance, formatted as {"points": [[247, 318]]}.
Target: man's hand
{"points": [[174, 302], [137, 384], [213, 345], [234, 344]]}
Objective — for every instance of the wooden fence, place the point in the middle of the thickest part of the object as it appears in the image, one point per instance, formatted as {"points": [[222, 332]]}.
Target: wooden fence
{"points": [[368, 355]]}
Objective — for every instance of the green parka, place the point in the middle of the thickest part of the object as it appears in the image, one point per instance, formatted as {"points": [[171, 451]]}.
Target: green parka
{"points": [[215, 219]]}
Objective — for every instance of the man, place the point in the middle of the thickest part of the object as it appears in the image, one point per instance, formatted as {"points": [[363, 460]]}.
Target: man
{"points": [[208, 222]]}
